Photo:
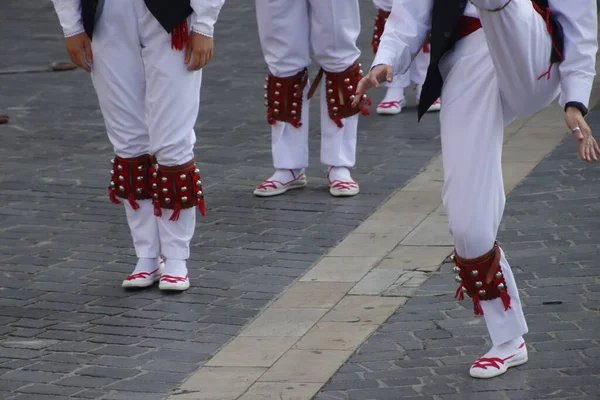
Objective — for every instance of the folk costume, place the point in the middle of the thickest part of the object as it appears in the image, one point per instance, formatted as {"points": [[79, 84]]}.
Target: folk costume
{"points": [[149, 101], [394, 99], [491, 61], [287, 29]]}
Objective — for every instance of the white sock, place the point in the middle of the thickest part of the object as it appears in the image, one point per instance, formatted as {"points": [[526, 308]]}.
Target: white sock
{"points": [[505, 349], [394, 94], [419, 88], [340, 174], [145, 265], [175, 268], [285, 175]]}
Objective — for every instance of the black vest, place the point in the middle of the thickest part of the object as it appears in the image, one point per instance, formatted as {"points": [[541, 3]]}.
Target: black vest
{"points": [[445, 17], [169, 13]]}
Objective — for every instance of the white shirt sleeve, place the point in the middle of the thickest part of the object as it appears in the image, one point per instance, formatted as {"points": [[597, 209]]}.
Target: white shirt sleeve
{"points": [[205, 16], [405, 32], [579, 20], [69, 15]]}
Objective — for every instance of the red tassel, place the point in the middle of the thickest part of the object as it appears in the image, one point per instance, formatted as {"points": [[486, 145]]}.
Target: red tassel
{"points": [[202, 207], [180, 36], [364, 111], [132, 202], [176, 213], [477, 306], [505, 299], [112, 195], [338, 122], [459, 293], [157, 209]]}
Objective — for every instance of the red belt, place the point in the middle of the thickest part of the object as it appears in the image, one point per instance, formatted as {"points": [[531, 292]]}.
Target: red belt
{"points": [[466, 26]]}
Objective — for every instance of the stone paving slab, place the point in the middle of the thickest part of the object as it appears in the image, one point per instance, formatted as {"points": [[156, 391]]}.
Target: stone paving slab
{"points": [[67, 330], [549, 232]]}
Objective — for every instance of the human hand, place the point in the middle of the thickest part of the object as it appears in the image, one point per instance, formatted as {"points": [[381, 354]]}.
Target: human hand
{"points": [[377, 74], [588, 147], [199, 51], [79, 49]]}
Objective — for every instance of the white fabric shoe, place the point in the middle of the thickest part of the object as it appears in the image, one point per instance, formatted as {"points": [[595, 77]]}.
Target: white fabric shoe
{"points": [[177, 283], [341, 183], [392, 107], [272, 187], [498, 360], [436, 106], [144, 279]]}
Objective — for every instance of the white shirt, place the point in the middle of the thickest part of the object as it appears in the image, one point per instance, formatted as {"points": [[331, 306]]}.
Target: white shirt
{"points": [[409, 25], [203, 19]]}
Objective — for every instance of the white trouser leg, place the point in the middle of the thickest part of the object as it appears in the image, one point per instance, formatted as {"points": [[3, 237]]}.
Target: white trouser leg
{"points": [[283, 28], [338, 145], [418, 69], [520, 47], [119, 80], [385, 5], [472, 124], [335, 26], [144, 229], [172, 103], [118, 77]]}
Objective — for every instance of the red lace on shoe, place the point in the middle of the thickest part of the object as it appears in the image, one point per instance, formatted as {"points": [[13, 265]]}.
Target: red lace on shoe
{"points": [[173, 279], [273, 184], [494, 362], [141, 275], [389, 104], [343, 185]]}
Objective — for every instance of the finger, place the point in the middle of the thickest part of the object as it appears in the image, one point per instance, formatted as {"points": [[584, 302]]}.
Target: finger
{"points": [[373, 80], [88, 51], [193, 62], [360, 90], [80, 61], [188, 53], [582, 150], [203, 60], [596, 147], [389, 75]]}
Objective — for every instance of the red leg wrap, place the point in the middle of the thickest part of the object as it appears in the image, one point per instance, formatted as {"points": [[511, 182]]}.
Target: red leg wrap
{"points": [[284, 98], [380, 20], [481, 279], [178, 188], [180, 36], [340, 88], [131, 180]]}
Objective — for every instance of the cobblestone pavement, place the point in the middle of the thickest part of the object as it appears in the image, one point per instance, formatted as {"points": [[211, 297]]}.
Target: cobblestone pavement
{"points": [[550, 231], [66, 328]]}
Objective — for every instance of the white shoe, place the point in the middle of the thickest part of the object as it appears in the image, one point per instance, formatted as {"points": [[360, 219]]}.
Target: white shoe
{"points": [[339, 188], [436, 106], [170, 282], [144, 279], [273, 188], [390, 107], [490, 366]]}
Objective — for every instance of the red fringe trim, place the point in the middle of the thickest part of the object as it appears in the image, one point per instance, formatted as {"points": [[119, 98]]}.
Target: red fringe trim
{"points": [[180, 36], [176, 213], [132, 202], [157, 209], [202, 207], [459, 293], [477, 306], [338, 122], [112, 195], [505, 299]]}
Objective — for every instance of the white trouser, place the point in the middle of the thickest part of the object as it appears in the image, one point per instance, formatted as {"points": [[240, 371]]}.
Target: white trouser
{"points": [[150, 104], [418, 69], [487, 83], [287, 29]]}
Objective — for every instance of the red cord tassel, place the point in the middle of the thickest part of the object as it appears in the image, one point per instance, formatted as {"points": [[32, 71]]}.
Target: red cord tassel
{"points": [[157, 209], [338, 122], [459, 293], [364, 111], [202, 207], [477, 306], [132, 202], [112, 195], [180, 36], [176, 213], [505, 299]]}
